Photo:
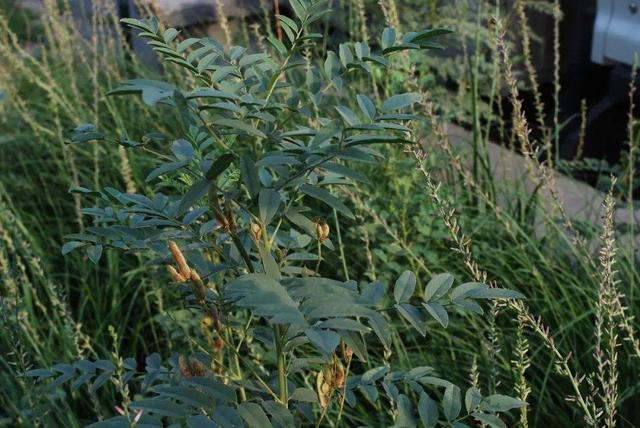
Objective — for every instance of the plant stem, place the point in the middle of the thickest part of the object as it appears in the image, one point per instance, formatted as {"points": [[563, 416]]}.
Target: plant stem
{"points": [[319, 256], [274, 79], [344, 393], [282, 373], [324, 411], [236, 360], [247, 363], [342, 257], [243, 252]]}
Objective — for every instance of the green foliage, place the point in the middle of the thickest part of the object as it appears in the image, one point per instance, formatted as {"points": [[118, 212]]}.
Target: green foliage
{"points": [[55, 308], [261, 150]]}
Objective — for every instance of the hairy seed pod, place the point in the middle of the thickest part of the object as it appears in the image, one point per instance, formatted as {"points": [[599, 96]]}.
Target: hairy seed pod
{"points": [[185, 370], [322, 231], [228, 215], [221, 219], [175, 275], [215, 317], [323, 389], [347, 352], [198, 368], [338, 375], [219, 344], [178, 257], [256, 231], [207, 321], [325, 231], [192, 368], [193, 276], [199, 289]]}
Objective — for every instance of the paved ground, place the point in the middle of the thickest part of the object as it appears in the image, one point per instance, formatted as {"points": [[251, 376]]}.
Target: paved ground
{"points": [[582, 202]]}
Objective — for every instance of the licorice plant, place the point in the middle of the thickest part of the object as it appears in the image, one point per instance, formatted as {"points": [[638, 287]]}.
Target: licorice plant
{"points": [[233, 215]]}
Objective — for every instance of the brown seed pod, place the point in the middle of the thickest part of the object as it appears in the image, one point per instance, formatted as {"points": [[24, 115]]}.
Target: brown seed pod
{"points": [[337, 380], [221, 219], [184, 367], [198, 368], [347, 352], [219, 344], [175, 275], [178, 257], [215, 317], [325, 231], [190, 369], [207, 321], [193, 276], [228, 215], [256, 231], [322, 231], [199, 289], [323, 389]]}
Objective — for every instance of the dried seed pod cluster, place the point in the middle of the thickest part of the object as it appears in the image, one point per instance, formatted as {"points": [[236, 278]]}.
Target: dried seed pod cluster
{"points": [[347, 353], [322, 231], [184, 273], [191, 368], [330, 378]]}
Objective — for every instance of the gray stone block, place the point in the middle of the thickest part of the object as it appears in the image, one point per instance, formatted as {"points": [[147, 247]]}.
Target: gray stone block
{"points": [[186, 13]]}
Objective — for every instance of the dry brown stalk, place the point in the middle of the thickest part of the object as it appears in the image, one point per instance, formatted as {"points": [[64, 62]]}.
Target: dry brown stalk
{"points": [[525, 32], [224, 22], [260, 38], [522, 363], [557, 17], [547, 179], [462, 245], [583, 129], [540, 172], [606, 344], [364, 30]]}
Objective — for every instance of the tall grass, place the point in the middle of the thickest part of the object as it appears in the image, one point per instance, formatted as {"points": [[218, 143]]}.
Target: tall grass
{"points": [[572, 352], [497, 226], [54, 307]]}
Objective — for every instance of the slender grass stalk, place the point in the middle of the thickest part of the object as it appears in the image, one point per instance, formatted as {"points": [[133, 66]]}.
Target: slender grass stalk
{"points": [[606, 325], [522, 362], [557, 17], [223, 20], [463, 246], [525, 32], [583, 129]]}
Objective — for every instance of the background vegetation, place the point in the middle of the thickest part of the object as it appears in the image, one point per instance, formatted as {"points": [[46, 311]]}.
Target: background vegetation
{"points": [[572, 353]]}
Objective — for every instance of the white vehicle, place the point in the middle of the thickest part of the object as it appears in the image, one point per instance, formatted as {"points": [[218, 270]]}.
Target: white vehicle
{"points": [[616, 32]]}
